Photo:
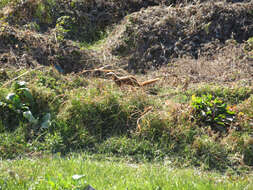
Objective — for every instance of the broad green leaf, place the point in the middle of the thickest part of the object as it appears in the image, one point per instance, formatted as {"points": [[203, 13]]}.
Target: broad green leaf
{"points": [[10, 96], [13, 99], [19, 84], [26, 92], [2, 103], [46, 121], [29, 116], [221, 123]]}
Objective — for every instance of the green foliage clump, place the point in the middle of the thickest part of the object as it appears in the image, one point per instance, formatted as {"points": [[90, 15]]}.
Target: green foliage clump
{"points": [[78, 28], [33, 26], [64, 25], [212, 111], [19, 105], [53, 142]]}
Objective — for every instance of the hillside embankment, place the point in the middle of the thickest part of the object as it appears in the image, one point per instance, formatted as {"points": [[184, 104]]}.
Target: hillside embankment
{"points": [[55, 56]]}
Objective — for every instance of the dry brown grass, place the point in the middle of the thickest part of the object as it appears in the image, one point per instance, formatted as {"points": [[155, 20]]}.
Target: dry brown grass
{"points": [[229, 65]]}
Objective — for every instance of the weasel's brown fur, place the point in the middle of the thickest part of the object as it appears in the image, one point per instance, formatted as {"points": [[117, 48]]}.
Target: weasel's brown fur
{"points": [[149, 82], [130, 80]]}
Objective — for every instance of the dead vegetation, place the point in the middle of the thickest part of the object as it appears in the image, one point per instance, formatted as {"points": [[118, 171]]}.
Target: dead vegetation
{"points": [[25, 48], [186, 40], [153, 37], [228, 65]]}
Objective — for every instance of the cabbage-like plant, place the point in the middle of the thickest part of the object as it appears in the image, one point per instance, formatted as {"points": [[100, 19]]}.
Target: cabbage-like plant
{"points": [[17, 106]]}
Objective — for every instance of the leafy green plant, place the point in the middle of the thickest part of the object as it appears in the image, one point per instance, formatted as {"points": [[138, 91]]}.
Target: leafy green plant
{"points": [[64, 25], [54, 142], [212, 111], [18, 104]]}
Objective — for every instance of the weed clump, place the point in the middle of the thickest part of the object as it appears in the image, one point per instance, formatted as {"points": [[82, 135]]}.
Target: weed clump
{"points": [[212, 111], [213, 154]]}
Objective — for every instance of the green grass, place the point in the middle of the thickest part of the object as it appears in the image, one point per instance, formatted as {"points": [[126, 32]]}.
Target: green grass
{"points": [[56, 173], [96, 44], [95, 115], [3, 3]]}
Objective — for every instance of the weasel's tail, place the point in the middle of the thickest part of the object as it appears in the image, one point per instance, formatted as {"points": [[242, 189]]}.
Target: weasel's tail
{"points": [[149, 82]]}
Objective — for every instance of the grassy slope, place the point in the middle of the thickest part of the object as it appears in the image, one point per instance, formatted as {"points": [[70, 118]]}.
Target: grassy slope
{"points": [[56, 173], [94, 115]]}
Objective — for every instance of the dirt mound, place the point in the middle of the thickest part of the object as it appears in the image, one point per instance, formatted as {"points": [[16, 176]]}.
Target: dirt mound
{"points": [[154, 36], [81, 20], [24, 48], [151, 33]]}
